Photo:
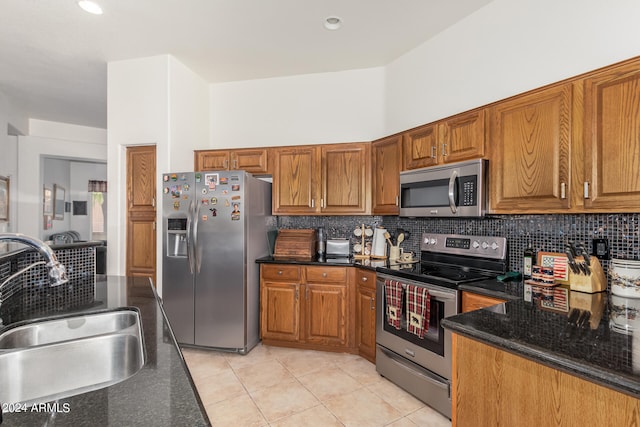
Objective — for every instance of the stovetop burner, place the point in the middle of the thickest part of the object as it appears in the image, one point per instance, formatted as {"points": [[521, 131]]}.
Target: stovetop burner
{"points": [[456, 275]]}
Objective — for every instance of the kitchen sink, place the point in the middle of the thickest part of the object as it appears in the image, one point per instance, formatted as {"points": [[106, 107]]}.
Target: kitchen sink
{"points": [[54, 359], [68, 328]]}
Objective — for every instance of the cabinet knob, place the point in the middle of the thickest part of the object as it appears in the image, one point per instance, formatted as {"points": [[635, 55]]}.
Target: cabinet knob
{"points": [[563, 190], [280, 272], [433, 151], [586, 189], [444, 150], [324, 274], [364, 278]]}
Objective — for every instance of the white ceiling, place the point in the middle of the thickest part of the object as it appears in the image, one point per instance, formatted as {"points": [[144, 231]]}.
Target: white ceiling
{"points": [[53, 55]]}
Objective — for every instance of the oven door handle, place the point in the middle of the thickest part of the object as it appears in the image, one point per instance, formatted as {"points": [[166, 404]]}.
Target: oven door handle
{"points": [[452, 184], [432, 378], [441, 295]]}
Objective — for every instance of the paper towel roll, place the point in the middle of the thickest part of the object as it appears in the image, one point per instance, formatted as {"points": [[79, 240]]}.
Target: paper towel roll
{"points": [[379, 248]]}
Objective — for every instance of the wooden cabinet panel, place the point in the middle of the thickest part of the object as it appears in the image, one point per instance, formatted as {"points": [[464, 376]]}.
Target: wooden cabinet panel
{"points": [[250, 160], [211, 160], [325, 312], [345, 178], [141, 178], [386, 166], [326, 274], [472, 301], [419, 147], [366, 314], [530, 394], [612, 138], [280, 311], [295, 180], [530, 143], [280, 272], [463, 136]]}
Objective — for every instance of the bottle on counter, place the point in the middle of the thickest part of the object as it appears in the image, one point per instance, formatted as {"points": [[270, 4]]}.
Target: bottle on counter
{"points": [[528, 260], [322, 241]]}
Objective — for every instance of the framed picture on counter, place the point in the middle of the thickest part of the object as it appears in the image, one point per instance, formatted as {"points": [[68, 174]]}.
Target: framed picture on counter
{"points": [[4, 198]]}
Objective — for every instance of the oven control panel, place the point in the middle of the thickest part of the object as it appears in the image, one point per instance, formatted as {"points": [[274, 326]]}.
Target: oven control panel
{"points": [[480, 246]]}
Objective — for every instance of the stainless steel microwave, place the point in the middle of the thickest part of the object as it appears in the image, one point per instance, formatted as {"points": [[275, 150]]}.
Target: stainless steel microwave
{"points": [[451, 190]]}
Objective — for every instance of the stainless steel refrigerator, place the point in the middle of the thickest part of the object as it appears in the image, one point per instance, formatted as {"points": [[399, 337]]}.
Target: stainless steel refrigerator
{"points": [[214, 227]]}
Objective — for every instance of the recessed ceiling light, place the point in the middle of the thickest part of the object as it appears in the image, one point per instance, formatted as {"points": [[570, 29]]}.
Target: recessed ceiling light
{"points": [[91, 7], [332, 23]]}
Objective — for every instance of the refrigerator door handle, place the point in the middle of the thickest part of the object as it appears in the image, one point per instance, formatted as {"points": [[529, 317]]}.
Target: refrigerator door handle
{"points": [[190, 251], [196, 256]]}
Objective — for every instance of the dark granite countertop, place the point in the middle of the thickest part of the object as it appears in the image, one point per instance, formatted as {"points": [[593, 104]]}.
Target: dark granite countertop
{"points": [[162, 393], [595, 352], [340, 262]]}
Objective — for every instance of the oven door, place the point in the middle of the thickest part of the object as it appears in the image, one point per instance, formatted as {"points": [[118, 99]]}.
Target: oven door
{"points": [[433, 351]]}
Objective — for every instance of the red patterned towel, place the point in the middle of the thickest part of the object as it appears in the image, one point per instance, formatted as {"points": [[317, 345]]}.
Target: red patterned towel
{"points": [[418, 310], [393, 296]]}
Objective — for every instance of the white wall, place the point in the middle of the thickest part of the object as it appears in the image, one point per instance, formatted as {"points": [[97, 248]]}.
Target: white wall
{"points": [[506, 48], [154, 100], [321, 108], [69, 142]]}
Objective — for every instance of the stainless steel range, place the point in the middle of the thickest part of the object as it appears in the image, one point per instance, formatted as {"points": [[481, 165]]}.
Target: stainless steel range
{"points": [[413, 350]]}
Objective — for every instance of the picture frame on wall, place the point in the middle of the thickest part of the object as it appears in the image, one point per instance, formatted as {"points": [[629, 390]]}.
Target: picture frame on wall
{"points": [[58, 201], [4, 198]]}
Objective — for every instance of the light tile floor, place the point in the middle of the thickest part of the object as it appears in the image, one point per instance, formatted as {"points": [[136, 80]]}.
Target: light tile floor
{"points": [[275, 386]]}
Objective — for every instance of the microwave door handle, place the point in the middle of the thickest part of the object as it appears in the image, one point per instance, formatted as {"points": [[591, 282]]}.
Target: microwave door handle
{"points": [[452, 183]]}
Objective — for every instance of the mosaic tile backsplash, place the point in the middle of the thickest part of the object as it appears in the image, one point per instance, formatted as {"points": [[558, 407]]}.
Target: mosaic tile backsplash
{"points": [[548, 233], [30, 291]]}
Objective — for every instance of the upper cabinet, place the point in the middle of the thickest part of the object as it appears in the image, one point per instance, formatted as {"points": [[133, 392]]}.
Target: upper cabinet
{"points": [[612, 139], [386, 156], [457, 138], [322, 179], [346, 183], [530, 140], [252, 160]]}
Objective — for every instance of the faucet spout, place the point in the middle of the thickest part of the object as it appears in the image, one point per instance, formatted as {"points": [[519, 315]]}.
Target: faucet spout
{"points": [[57, 271]]}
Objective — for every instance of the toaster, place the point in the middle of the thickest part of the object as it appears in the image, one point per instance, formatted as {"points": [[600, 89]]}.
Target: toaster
{"points": [[337, 248]]}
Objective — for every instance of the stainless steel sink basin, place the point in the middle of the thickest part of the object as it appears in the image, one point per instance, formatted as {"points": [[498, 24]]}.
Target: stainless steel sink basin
{"points": [[68, 328], [93, 351]]}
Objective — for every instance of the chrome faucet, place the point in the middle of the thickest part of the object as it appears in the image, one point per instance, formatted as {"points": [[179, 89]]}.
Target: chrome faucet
{"points": [[57, 272]]}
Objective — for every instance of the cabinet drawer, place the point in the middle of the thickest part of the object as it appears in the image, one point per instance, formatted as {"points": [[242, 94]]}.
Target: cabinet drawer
{"points": [[472, 301], [327, 274], [281, 272], [366, 278]]}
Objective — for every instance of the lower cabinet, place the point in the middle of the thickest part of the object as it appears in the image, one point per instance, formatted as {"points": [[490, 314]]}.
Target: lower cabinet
{"points": [[366, 314], [306, 306], [472, 301]]}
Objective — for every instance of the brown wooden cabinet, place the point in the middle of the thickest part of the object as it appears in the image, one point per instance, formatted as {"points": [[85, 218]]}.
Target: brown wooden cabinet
{"points": [[386, 157], [530, 140], [306, 306], [457, 138], [472, 301], [366, 314], [252, 160], [330, 179], [530, 393], [612, 139], [280, 302]]}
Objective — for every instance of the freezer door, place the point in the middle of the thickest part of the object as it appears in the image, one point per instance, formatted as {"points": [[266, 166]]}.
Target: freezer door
{"points": [[178, 202], [220, 316]]}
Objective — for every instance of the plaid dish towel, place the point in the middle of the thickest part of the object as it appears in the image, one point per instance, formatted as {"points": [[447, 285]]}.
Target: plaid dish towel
{"points": [[393, 295], [418, 310]]}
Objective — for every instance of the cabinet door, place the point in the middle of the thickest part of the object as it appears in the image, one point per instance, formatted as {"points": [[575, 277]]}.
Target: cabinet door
{"points": [[420, 147], [463, 136], [325, 313], [530, 141], [280, 311], [345, 178], [250, 160], [472, 301], [612, 139], [211, 160], [366, 326], [387, 162], [295, 181]]}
